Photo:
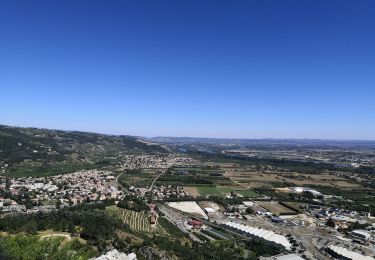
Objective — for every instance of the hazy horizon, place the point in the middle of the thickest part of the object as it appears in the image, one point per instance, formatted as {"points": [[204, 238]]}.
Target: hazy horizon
{"points": [[197, 137]]}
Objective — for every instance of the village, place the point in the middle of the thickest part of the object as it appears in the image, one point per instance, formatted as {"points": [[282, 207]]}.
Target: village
{"points": [[155, 161], [43, 194]]}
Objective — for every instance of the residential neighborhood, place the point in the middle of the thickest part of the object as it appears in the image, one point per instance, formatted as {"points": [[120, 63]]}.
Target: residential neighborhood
{"points": [[46, 193]]}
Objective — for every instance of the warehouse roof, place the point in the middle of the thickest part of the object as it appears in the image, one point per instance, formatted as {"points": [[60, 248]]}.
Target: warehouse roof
{"points": [[262, 233], [209, 210], [349, 254]]}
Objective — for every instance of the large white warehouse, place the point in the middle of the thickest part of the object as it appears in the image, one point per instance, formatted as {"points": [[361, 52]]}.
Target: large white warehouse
{"points": [[261, 233]]}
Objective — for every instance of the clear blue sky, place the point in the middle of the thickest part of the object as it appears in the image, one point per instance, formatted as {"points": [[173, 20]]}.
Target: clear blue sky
{"points": [[247, 69]]}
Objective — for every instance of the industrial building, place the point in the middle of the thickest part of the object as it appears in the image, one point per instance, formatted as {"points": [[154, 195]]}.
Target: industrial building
{"points": [[210, 212], [268, 235], [343, 253], [304, 189], [362, 236]]}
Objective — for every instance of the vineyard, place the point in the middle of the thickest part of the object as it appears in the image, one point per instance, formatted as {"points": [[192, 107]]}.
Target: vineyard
{"points": [[137, 221]]}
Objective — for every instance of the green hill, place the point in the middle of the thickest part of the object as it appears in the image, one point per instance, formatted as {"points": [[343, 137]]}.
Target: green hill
{"points": [[34, 151]]}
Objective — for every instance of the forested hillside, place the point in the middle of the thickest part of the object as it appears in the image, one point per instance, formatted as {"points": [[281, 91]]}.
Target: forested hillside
{"points": [[25, 150]]}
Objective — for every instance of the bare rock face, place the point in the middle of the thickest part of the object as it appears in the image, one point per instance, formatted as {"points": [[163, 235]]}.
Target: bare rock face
{"points": [[116, 255]]}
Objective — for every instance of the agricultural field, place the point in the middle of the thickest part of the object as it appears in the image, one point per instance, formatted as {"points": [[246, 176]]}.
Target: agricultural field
{"points": [[222, 178], [247, 193], [254, 178], [193, 191], [276, 208], [227, 189], [193, 176], [222, 191], [253, 175], [204, 181], [137, 221], [138, 178], [208, 190]]}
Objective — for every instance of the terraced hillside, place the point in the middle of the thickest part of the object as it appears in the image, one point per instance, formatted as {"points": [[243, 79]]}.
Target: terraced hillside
{"points": [[137, 221]]}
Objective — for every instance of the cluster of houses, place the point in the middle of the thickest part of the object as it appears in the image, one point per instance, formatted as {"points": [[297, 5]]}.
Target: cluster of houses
{"points": [[341, 217], [169, 191], [156, 161], [161, 192], [138, 191], [8, 206], [61, 190], [341, 220], [3, 166]]}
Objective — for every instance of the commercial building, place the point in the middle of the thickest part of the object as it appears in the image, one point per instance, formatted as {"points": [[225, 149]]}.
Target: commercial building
{"points": [[209, 211], [267, 235], [360, 235], [304, 189], [345, 254]]}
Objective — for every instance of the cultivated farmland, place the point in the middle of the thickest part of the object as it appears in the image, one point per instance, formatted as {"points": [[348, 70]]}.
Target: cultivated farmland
{"points": [[208, 190], [276, 208]]}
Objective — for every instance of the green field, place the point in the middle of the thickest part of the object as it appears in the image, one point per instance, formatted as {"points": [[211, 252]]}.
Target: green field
{"points": [[137, 178], [208, 190], [247, 193], [224, 190]]}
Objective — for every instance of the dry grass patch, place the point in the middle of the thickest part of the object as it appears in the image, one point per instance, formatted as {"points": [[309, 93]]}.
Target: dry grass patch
{"points": [[276, 208], [193, 191]]}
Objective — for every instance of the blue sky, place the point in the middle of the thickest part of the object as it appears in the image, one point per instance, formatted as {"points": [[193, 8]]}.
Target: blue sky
{"points": [[245, 69]]}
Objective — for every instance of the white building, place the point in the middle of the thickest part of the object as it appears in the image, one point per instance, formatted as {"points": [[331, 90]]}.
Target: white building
{"points": [[341, 252], [261, 233]]}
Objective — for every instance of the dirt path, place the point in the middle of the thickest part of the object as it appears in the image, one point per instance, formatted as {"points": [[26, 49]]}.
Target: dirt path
{"points": [[57, 235]]}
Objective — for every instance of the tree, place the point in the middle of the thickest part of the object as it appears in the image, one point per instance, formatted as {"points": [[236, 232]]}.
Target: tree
{"points": [[250, 211], [31, 228], [58, 204], [29, 203], [331, 223], [7, 183]]}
